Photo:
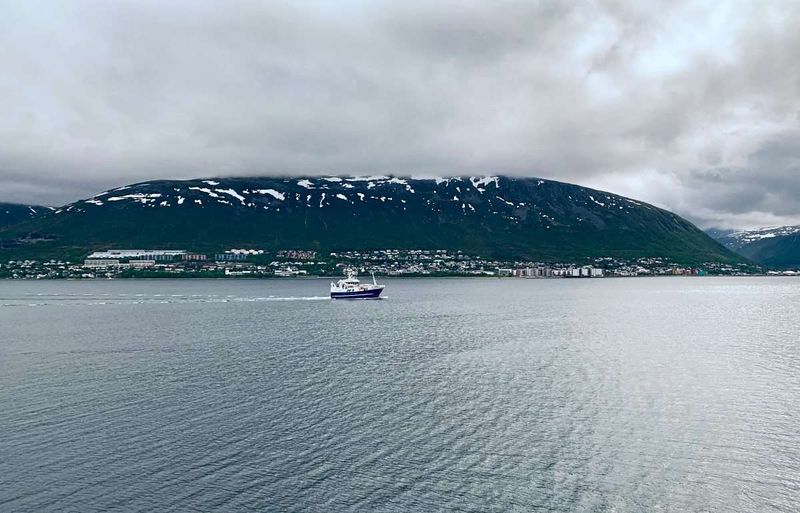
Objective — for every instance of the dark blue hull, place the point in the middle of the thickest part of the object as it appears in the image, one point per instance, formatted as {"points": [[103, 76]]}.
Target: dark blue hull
{"points": [[361, 294]]}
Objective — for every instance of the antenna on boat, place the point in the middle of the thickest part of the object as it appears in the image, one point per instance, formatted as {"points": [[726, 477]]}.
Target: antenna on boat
{"points": [[374, 282]]}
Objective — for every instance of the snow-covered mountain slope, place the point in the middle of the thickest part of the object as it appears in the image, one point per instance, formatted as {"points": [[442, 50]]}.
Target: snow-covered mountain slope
{"points": [[777, 246], [473, 195], [486, 215], [739, 239]]}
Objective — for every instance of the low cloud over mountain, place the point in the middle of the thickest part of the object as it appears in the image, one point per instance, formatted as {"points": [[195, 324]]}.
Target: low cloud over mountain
{"points": [[689, 105]]}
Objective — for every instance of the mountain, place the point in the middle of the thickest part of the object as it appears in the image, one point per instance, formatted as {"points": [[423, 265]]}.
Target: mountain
{"points": [[501, 217], [12, 213], [774, 247], [718, 234]]}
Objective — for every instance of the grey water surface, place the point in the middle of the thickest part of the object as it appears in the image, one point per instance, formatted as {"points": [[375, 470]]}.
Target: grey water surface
{"points": [[664, 394]]}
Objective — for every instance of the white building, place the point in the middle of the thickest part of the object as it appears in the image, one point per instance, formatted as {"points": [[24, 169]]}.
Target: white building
{"points": [[137, 254], [142, 264], [100, 263]]}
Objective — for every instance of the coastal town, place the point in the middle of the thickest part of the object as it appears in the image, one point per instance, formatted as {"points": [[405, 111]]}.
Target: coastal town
{"points": [[259, 263]]}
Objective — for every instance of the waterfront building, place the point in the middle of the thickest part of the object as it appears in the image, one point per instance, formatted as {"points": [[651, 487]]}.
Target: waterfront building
{"points": [[137, 254], [101, 263], [230, 257], [142, 264]]}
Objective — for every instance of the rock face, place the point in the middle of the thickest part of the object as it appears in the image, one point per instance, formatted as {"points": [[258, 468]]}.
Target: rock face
{"points": [[774, 247], [490, 216]]}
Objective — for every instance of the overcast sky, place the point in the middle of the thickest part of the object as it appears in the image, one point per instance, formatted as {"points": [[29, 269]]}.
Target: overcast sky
{"points": [[693, 106]]}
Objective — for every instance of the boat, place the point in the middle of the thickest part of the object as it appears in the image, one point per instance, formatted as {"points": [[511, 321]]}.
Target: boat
{"points": [[351, 288]]}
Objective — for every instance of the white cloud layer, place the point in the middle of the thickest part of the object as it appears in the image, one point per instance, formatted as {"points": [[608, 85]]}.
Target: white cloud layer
{"points": [[690, 105]]}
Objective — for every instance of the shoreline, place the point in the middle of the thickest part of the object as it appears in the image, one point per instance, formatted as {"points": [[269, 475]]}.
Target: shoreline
{"points": [[310, 278]]}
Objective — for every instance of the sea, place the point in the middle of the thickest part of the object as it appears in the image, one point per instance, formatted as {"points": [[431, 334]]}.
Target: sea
{"points": [[453, 394]]}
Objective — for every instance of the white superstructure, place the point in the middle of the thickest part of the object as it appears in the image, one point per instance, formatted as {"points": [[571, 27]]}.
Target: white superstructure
{"points": [[352, 288]]}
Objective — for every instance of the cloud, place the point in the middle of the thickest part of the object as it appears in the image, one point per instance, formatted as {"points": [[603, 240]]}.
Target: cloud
{"points": [[690, 105]]}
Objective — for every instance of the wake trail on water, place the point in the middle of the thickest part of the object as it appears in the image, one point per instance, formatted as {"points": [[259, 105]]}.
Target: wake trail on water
{"points": [[140, 299]]}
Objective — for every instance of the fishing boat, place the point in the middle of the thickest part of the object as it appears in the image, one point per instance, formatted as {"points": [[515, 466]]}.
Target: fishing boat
{"points": [[351, 288]]}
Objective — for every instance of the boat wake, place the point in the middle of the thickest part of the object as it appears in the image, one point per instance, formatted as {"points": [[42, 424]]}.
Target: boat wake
{"points": [[141, 299]]}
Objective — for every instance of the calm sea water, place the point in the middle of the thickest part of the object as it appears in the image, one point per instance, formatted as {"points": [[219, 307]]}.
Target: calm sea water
{"points": [[673, 394]]}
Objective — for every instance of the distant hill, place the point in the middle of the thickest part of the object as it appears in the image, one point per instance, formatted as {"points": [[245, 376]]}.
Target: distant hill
{"points": [[774, 247], [12, 213], [524, 218]]}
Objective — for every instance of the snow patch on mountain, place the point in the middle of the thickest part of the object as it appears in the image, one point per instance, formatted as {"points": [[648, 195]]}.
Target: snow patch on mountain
{"points": [[376, 178], [231, 192], [205, 190], [272, 192], [509, 203], [597, 202], [481, 183], [744, 237], [138, 197]]}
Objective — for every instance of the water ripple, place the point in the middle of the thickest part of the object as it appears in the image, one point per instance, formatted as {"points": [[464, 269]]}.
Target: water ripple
{"points": [[456, 395]]}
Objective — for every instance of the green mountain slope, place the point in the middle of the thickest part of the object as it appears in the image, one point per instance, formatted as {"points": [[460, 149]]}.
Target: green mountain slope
{"points": [[525, 218], [12, 213]]}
